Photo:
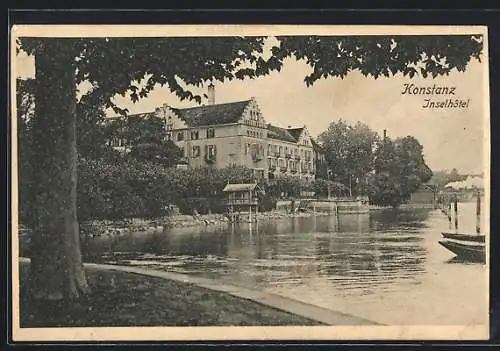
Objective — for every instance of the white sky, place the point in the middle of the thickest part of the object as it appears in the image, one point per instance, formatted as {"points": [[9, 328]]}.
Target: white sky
{"points": [[452, 138]]}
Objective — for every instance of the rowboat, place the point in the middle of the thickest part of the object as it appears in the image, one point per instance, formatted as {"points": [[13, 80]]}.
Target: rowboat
{"points": [[469, 247], [468, 251], [462, 236]]}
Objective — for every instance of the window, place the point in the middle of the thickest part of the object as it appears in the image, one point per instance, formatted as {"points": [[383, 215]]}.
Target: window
{"points": [[195, 135], [180, 136], [196, 151], [183, 152], [210, 151], [210, 133]]}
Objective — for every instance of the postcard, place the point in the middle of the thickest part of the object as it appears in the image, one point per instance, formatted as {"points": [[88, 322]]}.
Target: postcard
{"points": [[250, 182]]}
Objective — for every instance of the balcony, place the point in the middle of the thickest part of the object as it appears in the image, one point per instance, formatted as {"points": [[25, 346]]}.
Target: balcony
{"points": [[305, 171], [283, 169], [293, 170], [307, 158], [272, 168], [297, 157], [277, 154], [288, 155]]}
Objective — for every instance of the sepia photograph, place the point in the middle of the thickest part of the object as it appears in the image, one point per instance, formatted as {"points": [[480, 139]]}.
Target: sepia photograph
{"points": [[249, 182]]}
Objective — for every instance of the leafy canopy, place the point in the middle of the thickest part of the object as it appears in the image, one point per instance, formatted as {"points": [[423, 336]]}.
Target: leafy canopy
{"points": [[134, 66]]}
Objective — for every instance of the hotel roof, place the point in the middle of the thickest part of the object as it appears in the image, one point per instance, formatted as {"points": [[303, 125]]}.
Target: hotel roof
{"points": [[279, 133], [295, 132], [212, 114]]}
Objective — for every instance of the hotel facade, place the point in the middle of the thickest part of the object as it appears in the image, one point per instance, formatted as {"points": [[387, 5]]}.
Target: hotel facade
{"points": [[236, 134]]}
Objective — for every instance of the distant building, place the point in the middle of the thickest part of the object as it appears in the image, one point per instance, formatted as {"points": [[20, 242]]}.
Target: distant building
{"points": [[236, 134], [425, 194]]}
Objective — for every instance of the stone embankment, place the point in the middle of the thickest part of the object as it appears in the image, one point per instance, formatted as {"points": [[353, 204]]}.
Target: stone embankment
{"points": [[111, 228]]}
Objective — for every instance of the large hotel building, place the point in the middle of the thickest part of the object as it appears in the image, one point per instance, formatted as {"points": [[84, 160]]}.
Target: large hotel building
{"points": [[236, 133]]}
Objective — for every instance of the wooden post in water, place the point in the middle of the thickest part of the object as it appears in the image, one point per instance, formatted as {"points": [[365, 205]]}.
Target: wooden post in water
{"points": [[448, 213], [478, 213], [455, 205]]}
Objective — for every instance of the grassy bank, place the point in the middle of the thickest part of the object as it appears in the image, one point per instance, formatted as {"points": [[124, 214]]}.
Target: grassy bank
{"points": [[124, 299]]}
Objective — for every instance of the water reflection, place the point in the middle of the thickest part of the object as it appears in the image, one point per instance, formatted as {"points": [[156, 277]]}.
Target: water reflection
{"points": [[355, 251], [382, 266]]}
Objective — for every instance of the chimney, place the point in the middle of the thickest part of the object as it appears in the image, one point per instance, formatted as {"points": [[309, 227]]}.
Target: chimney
{"points": [[211, 94], [385, 134]]}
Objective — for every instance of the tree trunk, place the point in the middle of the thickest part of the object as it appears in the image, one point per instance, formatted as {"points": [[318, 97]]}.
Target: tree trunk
{"points": [[56, 260]]}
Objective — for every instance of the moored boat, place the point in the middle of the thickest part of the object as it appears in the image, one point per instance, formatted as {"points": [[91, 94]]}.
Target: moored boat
{"points": [[466, 246], [467, 237], [466, 250]]}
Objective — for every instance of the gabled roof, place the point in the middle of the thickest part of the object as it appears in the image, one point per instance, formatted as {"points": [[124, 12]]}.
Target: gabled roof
{"points": [[212, 114], [279, 133], [240, 187], [295, 132]]}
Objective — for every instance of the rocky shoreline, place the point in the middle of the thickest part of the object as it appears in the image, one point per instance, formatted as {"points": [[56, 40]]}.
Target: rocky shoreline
{"points": [[109, 228]]}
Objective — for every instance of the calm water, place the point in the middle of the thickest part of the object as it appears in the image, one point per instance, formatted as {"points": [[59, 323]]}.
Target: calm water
{"points": [[386, 266]]}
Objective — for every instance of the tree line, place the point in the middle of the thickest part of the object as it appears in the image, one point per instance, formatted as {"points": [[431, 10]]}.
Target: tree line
{"points": [[387, 171], [142, 182]]}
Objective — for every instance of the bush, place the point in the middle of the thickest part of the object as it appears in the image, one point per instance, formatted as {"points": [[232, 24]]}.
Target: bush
{"points": [[267, 203], [127, 189]]}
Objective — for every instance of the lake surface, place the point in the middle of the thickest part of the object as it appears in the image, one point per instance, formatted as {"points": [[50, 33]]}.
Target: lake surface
{"points": [[386, 266]]}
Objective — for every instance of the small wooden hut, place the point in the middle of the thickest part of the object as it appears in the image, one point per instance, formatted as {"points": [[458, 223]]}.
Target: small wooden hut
{"points": [[242, 198]]}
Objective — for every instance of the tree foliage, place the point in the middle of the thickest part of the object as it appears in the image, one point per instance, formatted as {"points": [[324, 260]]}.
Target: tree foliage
{"points": [[349, 152], [134, 66], [144, 138], [377, 56], [134, 188], [399, 169]]}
